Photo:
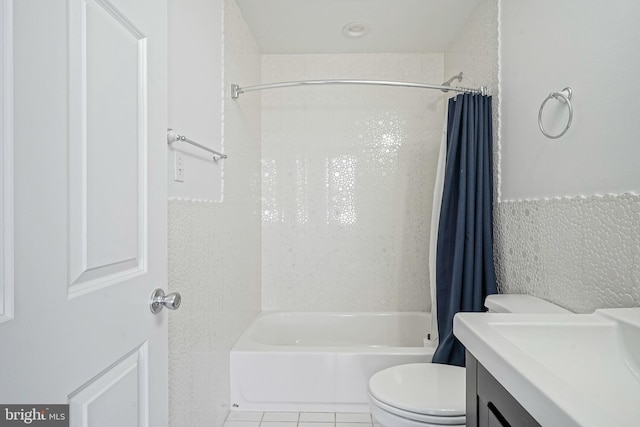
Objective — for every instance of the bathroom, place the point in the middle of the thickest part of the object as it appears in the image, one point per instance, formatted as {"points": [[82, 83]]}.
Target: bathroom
{"points": [[566, 223], [268, 228]]}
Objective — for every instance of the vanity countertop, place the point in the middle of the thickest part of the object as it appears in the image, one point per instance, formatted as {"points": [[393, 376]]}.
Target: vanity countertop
{"points": [[566, 370]]}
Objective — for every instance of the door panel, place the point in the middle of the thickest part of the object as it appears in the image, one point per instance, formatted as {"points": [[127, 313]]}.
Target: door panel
{"points": [[90, 207], [115, 136], [122, 385], [108, 198]]}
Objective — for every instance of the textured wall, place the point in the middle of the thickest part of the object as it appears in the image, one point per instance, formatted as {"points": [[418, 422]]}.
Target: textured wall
{"points": [[583, 253], [214, 253], [347, 183]]}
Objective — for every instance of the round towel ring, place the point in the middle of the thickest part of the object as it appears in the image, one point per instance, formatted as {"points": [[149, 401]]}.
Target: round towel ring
{"points": [[563, 98]]}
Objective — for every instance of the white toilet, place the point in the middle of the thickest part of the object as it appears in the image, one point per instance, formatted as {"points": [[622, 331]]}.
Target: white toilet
{"points": [[433, 395]]}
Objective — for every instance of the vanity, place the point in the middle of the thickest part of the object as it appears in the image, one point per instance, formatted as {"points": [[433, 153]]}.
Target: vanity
{"points": [[489, 404], [564, 370]]}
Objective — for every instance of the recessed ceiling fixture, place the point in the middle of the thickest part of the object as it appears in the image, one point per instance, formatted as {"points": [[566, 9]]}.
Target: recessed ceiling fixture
{"points": [[355, 29]]}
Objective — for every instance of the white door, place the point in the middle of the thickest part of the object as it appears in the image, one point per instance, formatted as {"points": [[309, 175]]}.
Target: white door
{"points": [[90, 211]]}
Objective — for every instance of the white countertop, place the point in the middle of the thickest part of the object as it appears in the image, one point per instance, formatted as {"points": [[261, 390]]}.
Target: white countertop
{"points": [[566, 370]]}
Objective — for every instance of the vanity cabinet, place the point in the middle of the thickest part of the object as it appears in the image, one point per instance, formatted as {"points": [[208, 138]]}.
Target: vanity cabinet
{"points": [[489, 404]]}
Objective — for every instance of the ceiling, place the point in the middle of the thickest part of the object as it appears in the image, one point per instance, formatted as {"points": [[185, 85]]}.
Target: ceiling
{"points": [[315, 26]]}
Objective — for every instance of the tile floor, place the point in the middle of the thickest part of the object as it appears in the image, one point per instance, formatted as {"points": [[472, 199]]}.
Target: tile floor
{"points": [[299, 419]]}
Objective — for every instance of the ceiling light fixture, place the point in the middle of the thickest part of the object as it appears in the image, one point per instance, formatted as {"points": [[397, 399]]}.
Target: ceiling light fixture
{"points": [[355, 29]]}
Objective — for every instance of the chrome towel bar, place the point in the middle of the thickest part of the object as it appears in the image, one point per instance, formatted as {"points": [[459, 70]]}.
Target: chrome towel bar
{"points": [[173, 136]]}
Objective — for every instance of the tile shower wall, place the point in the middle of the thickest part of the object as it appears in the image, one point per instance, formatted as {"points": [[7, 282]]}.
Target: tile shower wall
{"points": [[347, 183], [215, 253]]}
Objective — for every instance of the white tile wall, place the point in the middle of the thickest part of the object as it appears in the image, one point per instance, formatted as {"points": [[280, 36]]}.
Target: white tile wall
{"points": [[347, 182], [215, 253]]}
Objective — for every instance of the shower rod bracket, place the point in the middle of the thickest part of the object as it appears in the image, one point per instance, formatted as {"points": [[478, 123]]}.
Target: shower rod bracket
{"points": [[235, 91], [448, 82]]}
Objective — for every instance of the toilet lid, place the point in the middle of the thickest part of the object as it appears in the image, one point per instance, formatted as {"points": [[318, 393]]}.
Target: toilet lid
{"points": [[423, 388]]}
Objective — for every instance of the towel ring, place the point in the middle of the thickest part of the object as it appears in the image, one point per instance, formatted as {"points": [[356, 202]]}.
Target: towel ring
{"points": [[561, 97]]}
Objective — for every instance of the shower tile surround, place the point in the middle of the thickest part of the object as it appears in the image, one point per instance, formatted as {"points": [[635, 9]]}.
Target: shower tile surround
{"points": [[347, 182]]}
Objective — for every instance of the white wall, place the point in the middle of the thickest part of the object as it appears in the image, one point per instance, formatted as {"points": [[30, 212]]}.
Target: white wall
{"points": [[195, 104], [582, 250], [347, 185], [214, 248], [591, 46]]}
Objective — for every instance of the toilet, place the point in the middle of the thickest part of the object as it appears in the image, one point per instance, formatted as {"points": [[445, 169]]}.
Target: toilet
{"points": [[433, 395]]}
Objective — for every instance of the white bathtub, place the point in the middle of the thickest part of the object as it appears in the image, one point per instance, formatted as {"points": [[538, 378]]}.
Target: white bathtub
{"points": [[290, 361]]}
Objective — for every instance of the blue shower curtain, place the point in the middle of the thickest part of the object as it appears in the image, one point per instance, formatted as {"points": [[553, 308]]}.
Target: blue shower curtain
{"points": [[465, 273]]}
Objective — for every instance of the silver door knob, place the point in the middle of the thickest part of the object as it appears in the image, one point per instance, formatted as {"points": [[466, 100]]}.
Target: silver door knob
{"points": [[159, 300]]}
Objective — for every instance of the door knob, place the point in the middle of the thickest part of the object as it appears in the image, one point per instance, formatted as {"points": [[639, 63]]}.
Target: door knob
{"points": [[159, 300]]}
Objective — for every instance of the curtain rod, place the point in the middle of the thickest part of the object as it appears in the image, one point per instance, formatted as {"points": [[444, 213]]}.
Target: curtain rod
{"points": [[236, 90]]}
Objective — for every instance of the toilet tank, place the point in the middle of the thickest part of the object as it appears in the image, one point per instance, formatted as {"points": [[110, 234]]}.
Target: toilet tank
{"points": [[516, 303]]}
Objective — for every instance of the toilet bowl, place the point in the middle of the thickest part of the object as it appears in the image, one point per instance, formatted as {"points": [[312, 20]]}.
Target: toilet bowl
{"points": [[433, 395]]}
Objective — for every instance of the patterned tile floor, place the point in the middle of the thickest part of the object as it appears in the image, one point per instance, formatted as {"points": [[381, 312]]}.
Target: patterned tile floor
{"points": [[299, 419]]}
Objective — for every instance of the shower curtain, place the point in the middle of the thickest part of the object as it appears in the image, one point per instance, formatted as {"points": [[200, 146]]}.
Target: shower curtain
{"points": [[465, 273]]}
